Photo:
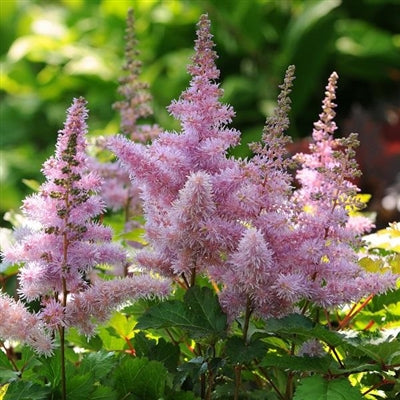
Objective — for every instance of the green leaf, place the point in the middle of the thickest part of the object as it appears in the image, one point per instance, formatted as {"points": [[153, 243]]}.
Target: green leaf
{"points": [[294, 363], [288, 324], [302, 327], [140, 378], [6, 371], [104, 393], [205, 311], [162, 351], [51, 369], [98, 364], [111, 339], [122, 324], [165, 315], [317, 388], [32, 184], [22, 390], [200, 314], [193, 368], [79, 386], [239, 352], [182, 396], [94, 343]]}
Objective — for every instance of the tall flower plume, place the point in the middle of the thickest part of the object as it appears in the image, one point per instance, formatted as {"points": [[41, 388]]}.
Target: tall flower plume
{"points": [[176, 173], [118, 192], [327, 236], [66, 242]]}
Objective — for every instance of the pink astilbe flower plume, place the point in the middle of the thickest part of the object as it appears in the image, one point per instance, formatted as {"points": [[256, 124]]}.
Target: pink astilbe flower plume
{"points": [[118, 192], [325, 197], [17, 323], [177, 172], [257, 270], [67, 243], [136, 102]]}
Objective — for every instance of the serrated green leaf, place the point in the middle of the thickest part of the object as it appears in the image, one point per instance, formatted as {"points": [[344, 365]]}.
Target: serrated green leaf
{"points": [[288, 324], [162, 351], [164, 315], [111, 339], [22, 390], [28, 358], [302, 327], [122, 324], [79, 386], [98, 364], [239, 352], [51, 369], [193, 368], [295, 363], [94, 343], [200, 314], [141, 378], [6, 371], [205, 310], [317, 388], [382, 352], [104, 393]]}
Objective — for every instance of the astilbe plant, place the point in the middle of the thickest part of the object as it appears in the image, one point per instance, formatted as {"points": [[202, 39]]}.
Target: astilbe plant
{"points": [[241, 222], [269, 244], [61, 248], [263, 251]]}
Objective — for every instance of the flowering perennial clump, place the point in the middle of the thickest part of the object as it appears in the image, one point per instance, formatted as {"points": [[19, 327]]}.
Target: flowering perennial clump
{"points": [[62, 247], [269, 236], [244, 223]]}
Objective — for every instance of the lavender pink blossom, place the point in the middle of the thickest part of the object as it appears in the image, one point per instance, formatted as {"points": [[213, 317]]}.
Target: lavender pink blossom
{"points": [[243, 223], [64, 244]]}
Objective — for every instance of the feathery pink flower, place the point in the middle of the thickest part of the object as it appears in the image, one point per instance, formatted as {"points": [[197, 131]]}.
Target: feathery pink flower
{"points": [[64, 243], [176, 173]]}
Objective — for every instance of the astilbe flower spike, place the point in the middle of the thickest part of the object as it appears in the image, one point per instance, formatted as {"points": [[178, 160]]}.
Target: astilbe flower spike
{"points": [[17, 323], [177, 171], [67, 243], [327, 237], [118, 192], [258, 274]]}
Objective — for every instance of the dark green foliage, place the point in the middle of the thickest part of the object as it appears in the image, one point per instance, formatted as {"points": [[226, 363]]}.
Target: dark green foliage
{"points": [[317, 388], [199, 314], [140, 379]]}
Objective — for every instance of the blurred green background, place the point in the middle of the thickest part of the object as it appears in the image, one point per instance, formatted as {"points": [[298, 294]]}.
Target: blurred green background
{"points": [[52, 51]]}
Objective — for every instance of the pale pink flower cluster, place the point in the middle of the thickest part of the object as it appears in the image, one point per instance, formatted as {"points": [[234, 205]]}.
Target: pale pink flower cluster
{"points": [[17, 323], [68, 243], [178, 173], [242, 222], [118, 192], [311, 348]]}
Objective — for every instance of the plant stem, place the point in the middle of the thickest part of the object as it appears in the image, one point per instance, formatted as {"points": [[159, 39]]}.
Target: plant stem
{"points": [[10, 356], [63, 377], [354, 312], [193, 277], [247, 316], [210, 385], [238, 367], [337, 356], [62, 341], [238, 381], [270, 381]]}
